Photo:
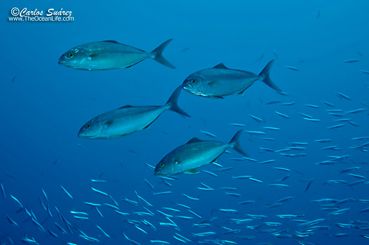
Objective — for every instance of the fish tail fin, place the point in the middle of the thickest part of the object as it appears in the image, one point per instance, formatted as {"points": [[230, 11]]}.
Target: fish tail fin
{"points": [[173, 102], [157, 54], [265, 77], [235, 143]]}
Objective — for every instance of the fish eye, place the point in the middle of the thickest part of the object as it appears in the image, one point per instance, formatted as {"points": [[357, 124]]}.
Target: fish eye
{"points": [[162, 165], [88, 125], [71, 53]]}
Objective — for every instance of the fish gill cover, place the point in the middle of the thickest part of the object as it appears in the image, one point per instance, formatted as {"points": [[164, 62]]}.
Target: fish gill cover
{"points": [[103, 142]]}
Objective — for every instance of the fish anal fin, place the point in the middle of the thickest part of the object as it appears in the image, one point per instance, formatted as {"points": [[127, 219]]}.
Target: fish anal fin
{"points": [[148, 125], [242, 91], [129, 66]]}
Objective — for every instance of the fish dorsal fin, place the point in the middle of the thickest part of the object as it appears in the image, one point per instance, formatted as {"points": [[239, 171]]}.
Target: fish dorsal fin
{"points": [[192, 171], [125, 106], [220, 66], [193, 140], [110, 41]]}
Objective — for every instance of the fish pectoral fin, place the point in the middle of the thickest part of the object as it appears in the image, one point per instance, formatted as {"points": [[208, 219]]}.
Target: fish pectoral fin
{"points": [[92, 55], [220, 66], [192, 171], [217, 97], [193, 140], [109, 122], [212, 83]]}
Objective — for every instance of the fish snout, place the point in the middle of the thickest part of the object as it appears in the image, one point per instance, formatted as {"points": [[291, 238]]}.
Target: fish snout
{"points": [[87, 130], [190, 85], [61, 60], [81, 131], [157, 171], [185, 84]]}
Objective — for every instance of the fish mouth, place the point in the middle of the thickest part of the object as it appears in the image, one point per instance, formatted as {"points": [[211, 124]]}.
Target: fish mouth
{"points": [[81, 133], [158, 172], [186, 88]]}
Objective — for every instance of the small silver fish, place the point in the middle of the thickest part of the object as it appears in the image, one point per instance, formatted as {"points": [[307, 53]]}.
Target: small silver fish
{"points": [[3, 190], [127, 119], [110, 54], [292, 68], [194, 154], [220, 81]]}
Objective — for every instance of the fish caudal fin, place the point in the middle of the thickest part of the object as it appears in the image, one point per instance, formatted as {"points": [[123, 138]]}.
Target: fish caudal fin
{"points": [[173, 102], [235, 143], [157, 54], [265, 77]]}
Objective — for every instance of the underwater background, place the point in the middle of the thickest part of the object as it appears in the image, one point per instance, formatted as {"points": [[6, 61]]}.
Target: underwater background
{"points": [[305, 180]]}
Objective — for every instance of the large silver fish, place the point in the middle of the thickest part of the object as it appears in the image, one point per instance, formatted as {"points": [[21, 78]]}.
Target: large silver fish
{"points": [[194, 154], [127, 119], [220, 81], [107, 55]]}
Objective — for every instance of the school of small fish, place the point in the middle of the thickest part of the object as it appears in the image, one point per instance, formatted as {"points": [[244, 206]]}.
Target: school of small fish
{"points": [[217, 174]]}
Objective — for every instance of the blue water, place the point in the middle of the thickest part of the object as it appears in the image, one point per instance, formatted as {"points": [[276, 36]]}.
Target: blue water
{"points": [[321, 58]]}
